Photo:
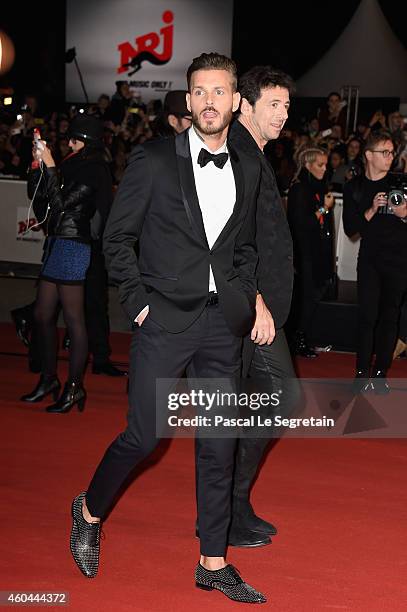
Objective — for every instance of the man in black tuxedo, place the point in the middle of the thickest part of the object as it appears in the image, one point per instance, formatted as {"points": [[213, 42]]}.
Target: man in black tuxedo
{"points": [[265, 99], [189, 202]]}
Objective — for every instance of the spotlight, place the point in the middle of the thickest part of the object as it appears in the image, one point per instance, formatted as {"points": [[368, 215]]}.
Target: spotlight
{"points": [[6, 53], [8, 101]]}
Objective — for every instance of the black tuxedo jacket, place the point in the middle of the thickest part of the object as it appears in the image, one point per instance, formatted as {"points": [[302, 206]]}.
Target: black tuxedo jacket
{"points": [[274, 243], [156, 208]]}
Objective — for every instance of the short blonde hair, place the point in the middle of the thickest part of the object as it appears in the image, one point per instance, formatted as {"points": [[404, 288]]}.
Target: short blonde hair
{"points": [[307, 155]]}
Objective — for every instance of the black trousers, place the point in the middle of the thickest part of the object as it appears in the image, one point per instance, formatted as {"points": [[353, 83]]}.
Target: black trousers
{"points": [[155, 353], [380, 292], [309, 294], [272, 369]]}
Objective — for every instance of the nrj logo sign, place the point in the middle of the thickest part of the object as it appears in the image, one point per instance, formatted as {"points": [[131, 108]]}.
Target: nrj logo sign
{"points": [[146, 49]]}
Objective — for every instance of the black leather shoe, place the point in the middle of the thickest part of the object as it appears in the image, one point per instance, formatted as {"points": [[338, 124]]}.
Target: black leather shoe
{"points": [[244, 538], [361, 382], [243, 516], [228, 581], [72, 394], [23, 326], [85, 540], [46, 385], [379, 382], [107, 368], [241, 537], [302, 348]]}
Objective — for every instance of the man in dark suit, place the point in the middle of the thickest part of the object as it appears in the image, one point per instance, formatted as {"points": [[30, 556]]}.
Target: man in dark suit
{"points": [[265, 99], [189, 203]]}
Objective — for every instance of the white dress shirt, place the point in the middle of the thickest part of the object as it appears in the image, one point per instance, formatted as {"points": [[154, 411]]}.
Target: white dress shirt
{"points": [[216, 192]]}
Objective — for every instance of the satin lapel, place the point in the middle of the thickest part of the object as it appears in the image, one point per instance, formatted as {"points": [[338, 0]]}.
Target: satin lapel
{"points": [[188, 189], [239, 182]]}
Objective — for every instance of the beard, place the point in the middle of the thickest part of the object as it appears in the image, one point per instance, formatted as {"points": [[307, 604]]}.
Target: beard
{"points": [[208, 127]]}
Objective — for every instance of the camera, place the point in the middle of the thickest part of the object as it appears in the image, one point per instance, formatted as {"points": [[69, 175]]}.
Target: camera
{"points": [[396, 194]]}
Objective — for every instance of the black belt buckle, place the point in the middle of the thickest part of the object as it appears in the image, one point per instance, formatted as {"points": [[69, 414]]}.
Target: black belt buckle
{"points": [[212, 299]]}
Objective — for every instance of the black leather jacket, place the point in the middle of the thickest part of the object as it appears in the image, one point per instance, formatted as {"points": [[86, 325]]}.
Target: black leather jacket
{"points": [[74, 203]]}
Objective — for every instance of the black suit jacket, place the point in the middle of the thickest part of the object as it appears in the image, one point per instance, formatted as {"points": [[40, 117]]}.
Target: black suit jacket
{"points": [[157, 207], [275, 271]]}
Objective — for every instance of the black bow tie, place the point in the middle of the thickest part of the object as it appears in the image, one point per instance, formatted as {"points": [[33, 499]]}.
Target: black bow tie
{"points": [[205, 157]]}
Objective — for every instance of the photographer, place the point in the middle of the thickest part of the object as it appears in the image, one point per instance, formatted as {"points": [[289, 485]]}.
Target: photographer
{"points": [[373, 210]]}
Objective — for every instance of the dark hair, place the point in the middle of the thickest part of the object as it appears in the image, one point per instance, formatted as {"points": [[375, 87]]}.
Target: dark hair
{"points": [[212, 61], [375, 137], [262, 77], [334, 93], [340, 150]]}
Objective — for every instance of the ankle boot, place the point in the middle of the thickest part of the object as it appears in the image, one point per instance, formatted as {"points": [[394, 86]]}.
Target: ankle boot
{"points": [[45, 386], [301, 346], [73, 393]]}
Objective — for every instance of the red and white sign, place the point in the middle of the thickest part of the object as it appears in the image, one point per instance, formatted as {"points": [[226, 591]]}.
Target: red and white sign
{"points": [[150, 43], [27, 226]]}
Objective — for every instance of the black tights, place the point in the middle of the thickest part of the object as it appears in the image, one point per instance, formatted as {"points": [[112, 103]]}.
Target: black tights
{"points": [[46, 314]]}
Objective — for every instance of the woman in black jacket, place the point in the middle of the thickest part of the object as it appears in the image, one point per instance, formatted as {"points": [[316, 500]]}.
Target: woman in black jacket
{"points": [[310, 219], [70, 207]]}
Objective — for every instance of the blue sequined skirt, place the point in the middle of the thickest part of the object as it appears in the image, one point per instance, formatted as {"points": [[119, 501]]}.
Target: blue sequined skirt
{"points": [[65, 261]]}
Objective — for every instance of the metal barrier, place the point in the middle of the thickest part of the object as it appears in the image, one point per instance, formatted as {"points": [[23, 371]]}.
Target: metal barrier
{"points": [[350, 93]]}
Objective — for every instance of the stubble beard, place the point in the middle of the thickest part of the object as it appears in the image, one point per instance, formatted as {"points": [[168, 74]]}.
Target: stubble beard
{"points": [[207, 127]]}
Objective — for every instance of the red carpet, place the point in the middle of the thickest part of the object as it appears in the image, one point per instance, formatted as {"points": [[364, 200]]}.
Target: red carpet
{"points": [[340, 507]]}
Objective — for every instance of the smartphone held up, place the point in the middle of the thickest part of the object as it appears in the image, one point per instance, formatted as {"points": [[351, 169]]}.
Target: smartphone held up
{"points": [[37, 149]]}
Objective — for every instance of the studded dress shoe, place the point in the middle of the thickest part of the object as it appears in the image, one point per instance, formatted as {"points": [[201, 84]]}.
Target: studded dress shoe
{"points": [[107, 368], [85, 540], [23, 326], [72, 394], [47, 385], [379, 382], [229, 582]]}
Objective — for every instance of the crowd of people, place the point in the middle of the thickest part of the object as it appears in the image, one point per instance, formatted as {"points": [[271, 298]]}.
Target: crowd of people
{"points": [[128, 121]]}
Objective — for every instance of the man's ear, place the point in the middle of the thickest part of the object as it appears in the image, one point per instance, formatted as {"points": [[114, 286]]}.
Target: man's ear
{"points": [[188, 101], [236, 101], [172, 121], [246, 108]]}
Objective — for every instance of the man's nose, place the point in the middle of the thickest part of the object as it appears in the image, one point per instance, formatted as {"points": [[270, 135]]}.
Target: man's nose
{"points": [[284, 114]]}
